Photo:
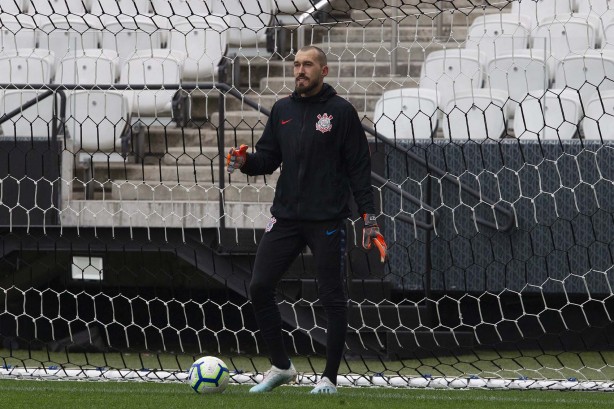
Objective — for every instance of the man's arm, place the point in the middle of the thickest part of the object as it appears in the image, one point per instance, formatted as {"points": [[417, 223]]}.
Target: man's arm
{"points": [[267, 157], [358, 164]]}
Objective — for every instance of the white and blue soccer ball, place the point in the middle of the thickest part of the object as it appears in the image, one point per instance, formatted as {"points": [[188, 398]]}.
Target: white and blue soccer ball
{"points": [[208, 375]]}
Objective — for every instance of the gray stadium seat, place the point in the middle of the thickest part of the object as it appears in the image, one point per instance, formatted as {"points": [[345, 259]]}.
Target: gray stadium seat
{"points": [[550, 115], [407, 113], [476, 114]]}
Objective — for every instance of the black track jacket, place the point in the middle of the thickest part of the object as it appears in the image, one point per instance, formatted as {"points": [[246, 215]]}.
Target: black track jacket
{"points": [[325, 157]]}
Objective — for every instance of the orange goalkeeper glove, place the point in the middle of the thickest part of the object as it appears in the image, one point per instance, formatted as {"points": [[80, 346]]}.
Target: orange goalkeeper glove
{"points": [[371, 235], [236, 158]]}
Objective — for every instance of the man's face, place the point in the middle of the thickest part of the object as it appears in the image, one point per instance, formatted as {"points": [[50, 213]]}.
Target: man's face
{"points": [[308, 73]]}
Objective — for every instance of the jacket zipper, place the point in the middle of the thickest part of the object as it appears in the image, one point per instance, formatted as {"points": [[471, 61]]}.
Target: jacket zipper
{"points": [[300, 163]]}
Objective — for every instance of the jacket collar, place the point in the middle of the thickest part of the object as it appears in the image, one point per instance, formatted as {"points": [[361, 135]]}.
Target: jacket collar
{"points": [[326, 93]]}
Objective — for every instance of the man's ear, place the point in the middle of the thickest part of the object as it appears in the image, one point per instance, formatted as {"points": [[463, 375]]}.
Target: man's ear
{"points": [[325, 71]]}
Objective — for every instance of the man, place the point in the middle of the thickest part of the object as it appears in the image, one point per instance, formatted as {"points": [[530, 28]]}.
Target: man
{"points": [[318, 137]]}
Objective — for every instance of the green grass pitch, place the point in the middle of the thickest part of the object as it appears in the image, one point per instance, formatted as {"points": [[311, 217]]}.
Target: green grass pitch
{"points": [[17, 394]]}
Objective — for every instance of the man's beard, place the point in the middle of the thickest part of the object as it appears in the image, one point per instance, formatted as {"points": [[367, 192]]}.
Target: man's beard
{"points": [[305, 89]]}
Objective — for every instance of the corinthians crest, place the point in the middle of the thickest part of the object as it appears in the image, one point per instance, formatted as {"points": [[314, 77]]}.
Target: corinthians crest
{"points": [[324, 123]]}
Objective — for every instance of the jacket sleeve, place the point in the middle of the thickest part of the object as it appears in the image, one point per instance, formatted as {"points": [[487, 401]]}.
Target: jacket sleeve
{"points": [[358, 164], [267, 157]]}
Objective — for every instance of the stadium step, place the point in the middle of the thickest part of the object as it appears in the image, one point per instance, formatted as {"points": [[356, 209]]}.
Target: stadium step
{"points": [[358, 289], [352, 88], [264, 69], [160, 192], [161, 140], [426, 343], [376, 31], [167, 214], [104, 172], [377, 51]]}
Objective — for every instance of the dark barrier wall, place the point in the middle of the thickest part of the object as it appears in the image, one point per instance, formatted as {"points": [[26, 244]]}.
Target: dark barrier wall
{"points": [[562, 194]]}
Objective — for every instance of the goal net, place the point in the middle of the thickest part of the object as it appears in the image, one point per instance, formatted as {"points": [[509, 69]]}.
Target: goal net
{"points": [[126, 248]]}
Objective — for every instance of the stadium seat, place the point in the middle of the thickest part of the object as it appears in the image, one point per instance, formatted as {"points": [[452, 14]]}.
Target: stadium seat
{"points": [[550, 115], [204, 42], [407, 113], [496, 34], [538, 10], [587, 73], [56, 7], [27, 66], [181, 8], [247, 22], [97, 121], [598, 8], [518, 72], [126, 35], [116, 8], [451, 71], [564, 36], [35, 121], [13, 7], [598, 122], [66, 34], [476, 114], [152, 67], [92, 66], [291, 6], [17, 31]]}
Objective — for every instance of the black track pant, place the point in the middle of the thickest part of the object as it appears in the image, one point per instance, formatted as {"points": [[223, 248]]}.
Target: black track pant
{"points": [[278, 248]]}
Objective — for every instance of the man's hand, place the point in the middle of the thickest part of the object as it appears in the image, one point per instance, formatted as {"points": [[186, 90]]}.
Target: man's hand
{"points": [[236, 158], [371, 235]]}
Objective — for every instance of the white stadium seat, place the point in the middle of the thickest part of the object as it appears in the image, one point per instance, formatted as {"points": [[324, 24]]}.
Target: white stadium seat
{"points": [[291, 6], [35, 121], [17, 31], [550, 115], [587, 73], [247, 21], [116, 8], [562, 36], [27, 66], [127, 35], [96, 120], [204, 42], [598, 122], [181, 8], [13, 7], [496, 34], [93, 66], [518, 72], [152, 67], [476, 114], [56, 7], [451, 71], [407, 113], [66, 34], [538, 10], [599, 8]]}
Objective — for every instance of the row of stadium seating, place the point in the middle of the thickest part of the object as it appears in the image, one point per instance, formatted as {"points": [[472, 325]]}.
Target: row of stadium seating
{"points": [[552, 114]]}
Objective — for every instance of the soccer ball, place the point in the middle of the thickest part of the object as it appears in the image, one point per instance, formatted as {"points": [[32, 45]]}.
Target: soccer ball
{"points": [[209, 375]]}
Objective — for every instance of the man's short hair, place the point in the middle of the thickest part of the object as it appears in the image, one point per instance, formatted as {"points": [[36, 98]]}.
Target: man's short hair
{"points": [[321, 55]]}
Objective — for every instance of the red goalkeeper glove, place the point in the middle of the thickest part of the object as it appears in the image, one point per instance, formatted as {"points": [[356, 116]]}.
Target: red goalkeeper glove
{"points": [[236, 158], [371, 235]]}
